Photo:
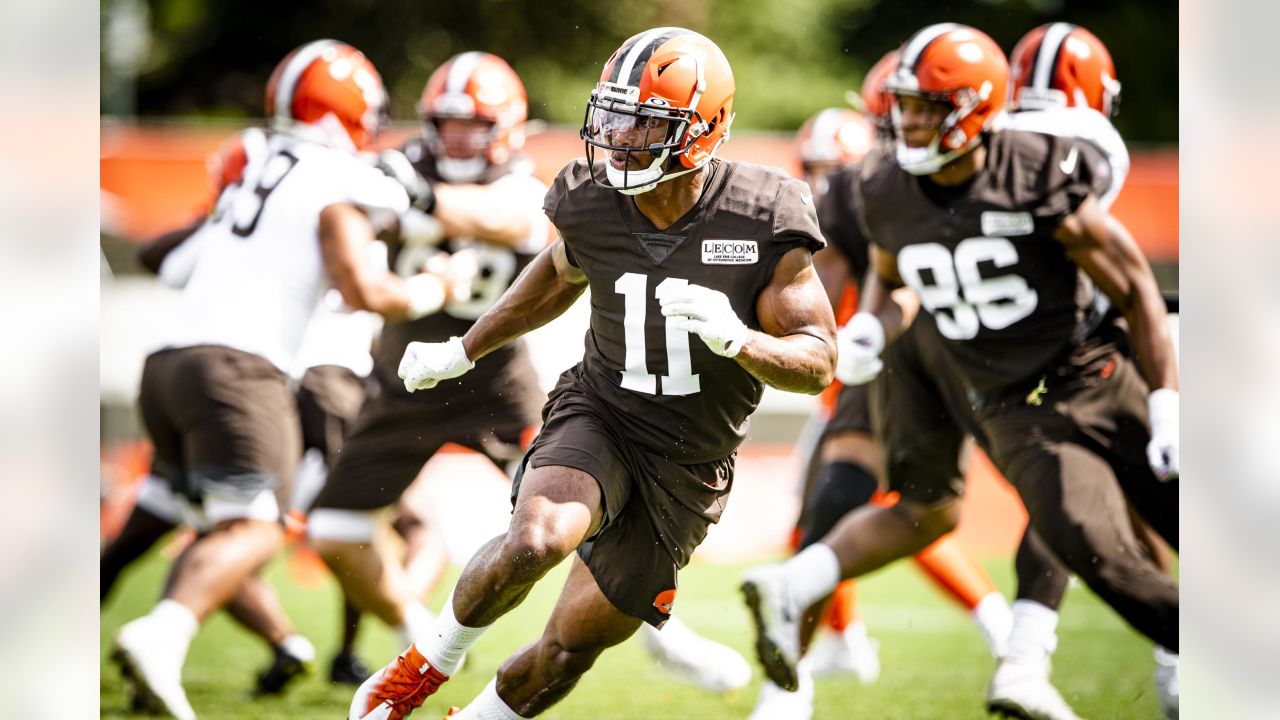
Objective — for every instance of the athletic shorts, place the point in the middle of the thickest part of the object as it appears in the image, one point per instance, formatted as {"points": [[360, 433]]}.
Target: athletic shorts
{"points": [[852, 413], [656, 511], [921, 414], [223, 421], [395, 434], [329, 399]]}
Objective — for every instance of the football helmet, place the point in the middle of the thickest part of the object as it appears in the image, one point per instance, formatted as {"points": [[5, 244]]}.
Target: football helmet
{"points": [[833, 137], [667, 94], [962, 69], [474, 86], [1061, 64], [875, 98], [328, 92]]}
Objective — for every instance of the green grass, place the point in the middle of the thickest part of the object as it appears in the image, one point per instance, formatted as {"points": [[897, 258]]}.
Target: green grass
{"points": [[934, 662]]}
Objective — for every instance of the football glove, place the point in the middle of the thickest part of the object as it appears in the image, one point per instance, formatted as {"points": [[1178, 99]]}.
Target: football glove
{"points": [[426, 364], [422, 194], [1162, 451], [708, 314], [859, 344]]}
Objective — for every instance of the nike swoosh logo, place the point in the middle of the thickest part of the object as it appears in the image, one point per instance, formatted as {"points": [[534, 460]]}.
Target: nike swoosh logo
{"points": [[1068, 165]]}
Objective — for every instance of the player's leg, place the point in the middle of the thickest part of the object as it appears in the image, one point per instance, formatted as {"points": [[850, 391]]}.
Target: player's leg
{"points": [[240, 442], [391, 440], [155, 513], [256, 606], [583, 625], [557, 508], [961, 577], [921, 446]]}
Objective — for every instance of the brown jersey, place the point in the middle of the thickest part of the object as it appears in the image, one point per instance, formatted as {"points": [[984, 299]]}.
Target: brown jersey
{"points": [[498, 267], [669, 393], [840, 226], [1002, 292]]}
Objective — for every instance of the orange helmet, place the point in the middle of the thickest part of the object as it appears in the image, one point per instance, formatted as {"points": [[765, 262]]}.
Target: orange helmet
{"points": [[474, 86], [667, 92], [875, 98], [1061, 64], [961, 68], [328, 92]]}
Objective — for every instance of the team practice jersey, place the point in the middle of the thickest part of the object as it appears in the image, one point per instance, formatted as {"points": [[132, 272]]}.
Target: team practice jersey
{"points": [[258, 272], [496, 267], [1001, 290], [670, 393], [1087, 124]]}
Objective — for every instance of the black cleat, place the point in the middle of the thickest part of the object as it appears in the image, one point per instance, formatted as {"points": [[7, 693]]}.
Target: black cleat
{"points": [[282, 671], [347, 669]]}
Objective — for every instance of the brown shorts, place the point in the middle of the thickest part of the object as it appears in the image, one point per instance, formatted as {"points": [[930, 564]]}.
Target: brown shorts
{"points": [[852, 413], [329, 399], [656, 511], [921, 416], [395, 434], [222, 420]]}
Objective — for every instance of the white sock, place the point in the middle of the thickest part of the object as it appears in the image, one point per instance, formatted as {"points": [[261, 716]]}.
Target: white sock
{"points": [[418, 624], [1034, 634], [488, 706], [448, 641], [995, 620], [299, 647], [175, 621], [811, 575]]}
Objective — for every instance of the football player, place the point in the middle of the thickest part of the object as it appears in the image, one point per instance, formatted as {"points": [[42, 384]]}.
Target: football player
{"points": [[702, 292], [1001, 237], [1064, 83], [215, 396]]}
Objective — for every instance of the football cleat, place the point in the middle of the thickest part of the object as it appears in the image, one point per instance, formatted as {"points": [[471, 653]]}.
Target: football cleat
{"points": [[398, 689], [348, 669], [851, 652], [696, 659], [778, 704], [777, 625], [153, 669], [295, 658], [1167, 682], [1022, 690]]}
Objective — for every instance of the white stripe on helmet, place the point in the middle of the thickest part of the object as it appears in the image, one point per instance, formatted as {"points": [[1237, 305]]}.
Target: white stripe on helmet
{"points": [[1054, 36], [298, 64]]}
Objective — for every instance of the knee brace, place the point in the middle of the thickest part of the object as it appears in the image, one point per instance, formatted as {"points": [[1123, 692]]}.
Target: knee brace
{"points": [[842, 488]]}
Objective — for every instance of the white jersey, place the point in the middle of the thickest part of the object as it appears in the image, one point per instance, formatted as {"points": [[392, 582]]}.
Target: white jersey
{"points": [[1087, 124], [258, 274]]}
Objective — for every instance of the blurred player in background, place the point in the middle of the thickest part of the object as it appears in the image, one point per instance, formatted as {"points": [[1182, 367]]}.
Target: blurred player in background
{"points": [[987, 357], [635, 458], [1064, 83], [477, 212], [215, 397]]}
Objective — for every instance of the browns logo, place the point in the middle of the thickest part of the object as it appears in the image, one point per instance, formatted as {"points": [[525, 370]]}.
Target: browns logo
{"points": [[665, 600]]}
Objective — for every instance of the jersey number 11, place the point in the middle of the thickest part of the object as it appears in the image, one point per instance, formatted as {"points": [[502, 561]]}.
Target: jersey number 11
{"points": [[680, 378]]}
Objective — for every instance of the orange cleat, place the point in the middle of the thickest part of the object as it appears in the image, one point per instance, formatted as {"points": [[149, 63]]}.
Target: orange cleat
{"points": [[453, 711], [398, 689]]}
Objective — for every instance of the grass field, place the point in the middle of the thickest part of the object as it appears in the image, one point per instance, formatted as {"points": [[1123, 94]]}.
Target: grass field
{"points": [[935, 665]]}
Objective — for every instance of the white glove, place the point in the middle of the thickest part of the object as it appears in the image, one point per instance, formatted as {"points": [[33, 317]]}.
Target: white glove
{"points": [[425, 364], [427, 294], [859, 344], [708, 314], [1162, 451]]}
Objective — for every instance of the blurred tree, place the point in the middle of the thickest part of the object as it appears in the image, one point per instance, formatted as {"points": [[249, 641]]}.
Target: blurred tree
{"points": [[790, 57]]}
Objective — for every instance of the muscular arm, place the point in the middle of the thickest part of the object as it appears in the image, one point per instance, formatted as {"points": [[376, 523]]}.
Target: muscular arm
{"points": [[345, 234], [833, 271], [481, 212], [546, 288], [1105, 250], [885, 295], [796, 348]]}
